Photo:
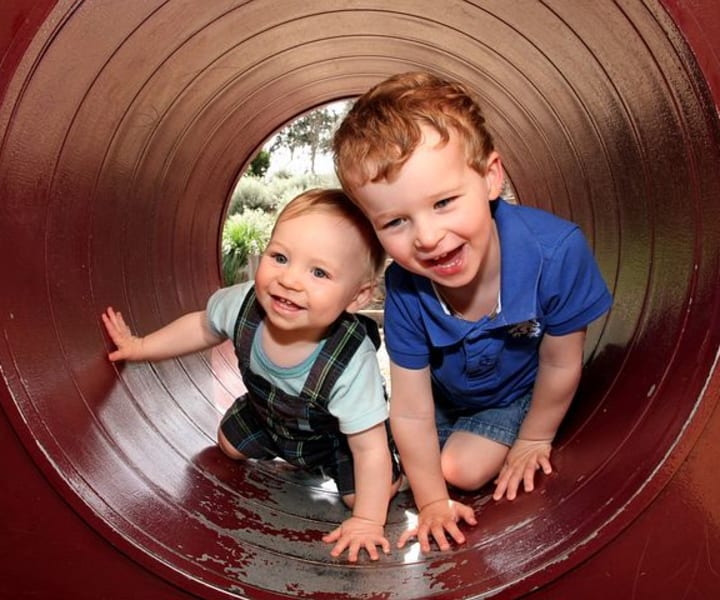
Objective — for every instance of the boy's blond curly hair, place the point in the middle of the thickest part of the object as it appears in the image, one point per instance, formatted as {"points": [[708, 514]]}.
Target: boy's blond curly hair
{"points": [[383, 128]]}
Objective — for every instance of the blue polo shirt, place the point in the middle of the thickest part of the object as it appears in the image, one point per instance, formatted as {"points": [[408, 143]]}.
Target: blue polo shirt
{"points": [[549, 282]]}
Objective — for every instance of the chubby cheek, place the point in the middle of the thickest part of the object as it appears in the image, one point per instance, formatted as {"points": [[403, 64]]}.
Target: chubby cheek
{"points": [[263, 276], [397, 248]]}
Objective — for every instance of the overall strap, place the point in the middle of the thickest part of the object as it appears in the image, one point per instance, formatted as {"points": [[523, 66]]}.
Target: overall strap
{"points": [[346, 336], [249, 318]]}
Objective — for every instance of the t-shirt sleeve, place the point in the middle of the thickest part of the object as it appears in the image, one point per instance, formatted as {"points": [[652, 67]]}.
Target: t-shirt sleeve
{"points": [[573, 291], [405, 337], [358, 399], [224, 306]]}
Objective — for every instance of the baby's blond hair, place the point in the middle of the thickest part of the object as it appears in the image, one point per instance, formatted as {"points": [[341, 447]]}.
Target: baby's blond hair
{"points": [[336, 202]]}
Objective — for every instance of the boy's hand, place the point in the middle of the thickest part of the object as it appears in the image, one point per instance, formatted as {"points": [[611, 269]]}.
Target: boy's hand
{"points": [[128, 346], [356, 533], [437, 518], [524, 458]]}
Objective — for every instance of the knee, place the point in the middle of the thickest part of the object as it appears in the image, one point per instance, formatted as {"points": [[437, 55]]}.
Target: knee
{"points": [[227, 448], [466, 475], [349, 500]]}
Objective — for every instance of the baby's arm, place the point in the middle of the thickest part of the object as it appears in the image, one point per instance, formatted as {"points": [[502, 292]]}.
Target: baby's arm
{"points": [[189, 333], [558, 376], [412, 416], [372, 467]]}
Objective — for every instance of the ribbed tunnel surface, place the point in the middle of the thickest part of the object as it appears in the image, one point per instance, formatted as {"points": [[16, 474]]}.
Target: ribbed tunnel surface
{"points": [[125, 126]]}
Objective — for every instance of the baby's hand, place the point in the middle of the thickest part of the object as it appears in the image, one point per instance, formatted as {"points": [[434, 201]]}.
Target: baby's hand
{"points": [[356, 533], [437, 518], [128, 346], [524, 458]]}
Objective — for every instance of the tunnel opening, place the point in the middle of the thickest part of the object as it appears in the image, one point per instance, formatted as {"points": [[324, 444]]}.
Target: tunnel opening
{"points": [[123, 130]]}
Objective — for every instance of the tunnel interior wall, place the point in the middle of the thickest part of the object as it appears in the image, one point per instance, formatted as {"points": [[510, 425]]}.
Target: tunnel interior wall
{"points": [[125, 126]]}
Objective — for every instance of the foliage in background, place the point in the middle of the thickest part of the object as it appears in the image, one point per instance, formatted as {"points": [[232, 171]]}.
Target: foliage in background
{"points": [[314, 131], [260, 164], [245, 234], [252, 212], [251, 193], [258, 197]]}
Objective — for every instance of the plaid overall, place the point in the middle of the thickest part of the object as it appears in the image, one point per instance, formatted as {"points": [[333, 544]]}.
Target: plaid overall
{"points": [[267, 422]]}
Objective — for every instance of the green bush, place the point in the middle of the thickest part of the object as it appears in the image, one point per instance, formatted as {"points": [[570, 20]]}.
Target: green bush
{"points": [[244, 234], [251, 193], [284, 189], [260, 164]]}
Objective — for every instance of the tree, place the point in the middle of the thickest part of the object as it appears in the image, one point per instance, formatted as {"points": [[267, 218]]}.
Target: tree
{"points": [[314, 131], [260, 164]]}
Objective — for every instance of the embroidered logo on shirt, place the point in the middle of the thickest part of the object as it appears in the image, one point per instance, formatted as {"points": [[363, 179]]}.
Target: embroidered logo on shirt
{"points": [[530, 329]]}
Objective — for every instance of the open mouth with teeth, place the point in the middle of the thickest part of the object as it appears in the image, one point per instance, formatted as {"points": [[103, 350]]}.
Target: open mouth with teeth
{"points": [[447, 263], [285, 305]]}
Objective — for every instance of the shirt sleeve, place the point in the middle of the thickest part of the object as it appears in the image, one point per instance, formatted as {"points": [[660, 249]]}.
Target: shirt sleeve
{"points": [[573, 291], [405, 337], [224, 306], [358, 399]]}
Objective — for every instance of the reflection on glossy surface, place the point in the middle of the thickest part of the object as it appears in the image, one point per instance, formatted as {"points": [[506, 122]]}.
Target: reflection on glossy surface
{"points": [[124, 127]]}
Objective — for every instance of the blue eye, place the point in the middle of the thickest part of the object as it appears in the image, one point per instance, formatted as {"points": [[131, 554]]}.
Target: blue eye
{"points": [[317, 272], [281, 259], [391, 224], [443, 203]]}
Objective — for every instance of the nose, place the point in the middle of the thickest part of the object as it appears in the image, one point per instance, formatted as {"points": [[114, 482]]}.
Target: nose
{"points": [[427, 235], [290, 278]]}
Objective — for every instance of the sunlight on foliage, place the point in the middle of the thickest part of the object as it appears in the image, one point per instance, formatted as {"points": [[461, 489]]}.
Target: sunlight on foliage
{"points": [[245, 234]]}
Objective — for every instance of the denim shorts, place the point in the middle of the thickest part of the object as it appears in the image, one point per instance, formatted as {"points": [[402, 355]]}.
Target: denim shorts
{"points": [[500, 424]]}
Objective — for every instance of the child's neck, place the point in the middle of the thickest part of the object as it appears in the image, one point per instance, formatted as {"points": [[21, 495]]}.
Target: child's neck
{"points": [[288, 348], [478, 298]]}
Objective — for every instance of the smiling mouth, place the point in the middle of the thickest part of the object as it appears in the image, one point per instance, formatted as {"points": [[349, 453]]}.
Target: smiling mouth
{"points": [[448, 261], [285, 305]]}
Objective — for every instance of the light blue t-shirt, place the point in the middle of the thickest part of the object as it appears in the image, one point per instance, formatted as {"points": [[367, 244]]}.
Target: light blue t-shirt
{"points": [[357, 400]]}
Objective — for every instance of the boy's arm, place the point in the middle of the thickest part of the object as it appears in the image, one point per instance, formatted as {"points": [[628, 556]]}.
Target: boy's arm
{"points": [[412, 418], [372, 467], [187, 334], [559, 370]]}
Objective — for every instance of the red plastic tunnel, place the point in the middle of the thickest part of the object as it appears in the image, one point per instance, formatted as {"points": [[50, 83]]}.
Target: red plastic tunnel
{"points": [[123, 127]]}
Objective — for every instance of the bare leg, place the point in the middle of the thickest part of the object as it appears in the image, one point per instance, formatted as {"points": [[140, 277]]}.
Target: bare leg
{"points": [[469, 461], [228, 448]]}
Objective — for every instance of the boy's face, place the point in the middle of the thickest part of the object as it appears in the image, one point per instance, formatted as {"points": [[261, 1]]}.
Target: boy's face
{"points": [[434, 217], [314, 268]]}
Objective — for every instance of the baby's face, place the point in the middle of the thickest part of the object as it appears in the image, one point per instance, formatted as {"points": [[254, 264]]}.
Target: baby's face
{"points": [[434, 217], [313, 269]]}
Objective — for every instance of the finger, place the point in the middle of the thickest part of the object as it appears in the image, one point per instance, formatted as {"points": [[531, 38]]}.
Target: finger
{"points": [[455, 533], [353, 552], [422, 536], [371, 550], [512, 486], [331, 537], [339, 548], [467, 514], [116, 355], [529, 477], [546, 465], [501, 485], [438, 533], [109, 324], [405, 536]]}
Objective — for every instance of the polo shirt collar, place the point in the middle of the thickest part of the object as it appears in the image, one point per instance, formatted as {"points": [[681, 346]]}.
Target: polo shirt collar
{"points": [[521, 263], [520, 267]]}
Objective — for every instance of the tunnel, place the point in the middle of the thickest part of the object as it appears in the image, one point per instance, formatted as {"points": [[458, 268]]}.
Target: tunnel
{"points": [[124, 127]]}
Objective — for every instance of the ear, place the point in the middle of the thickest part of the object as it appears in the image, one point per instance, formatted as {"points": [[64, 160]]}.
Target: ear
{"points": [[494, 175], [362, 298]]}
